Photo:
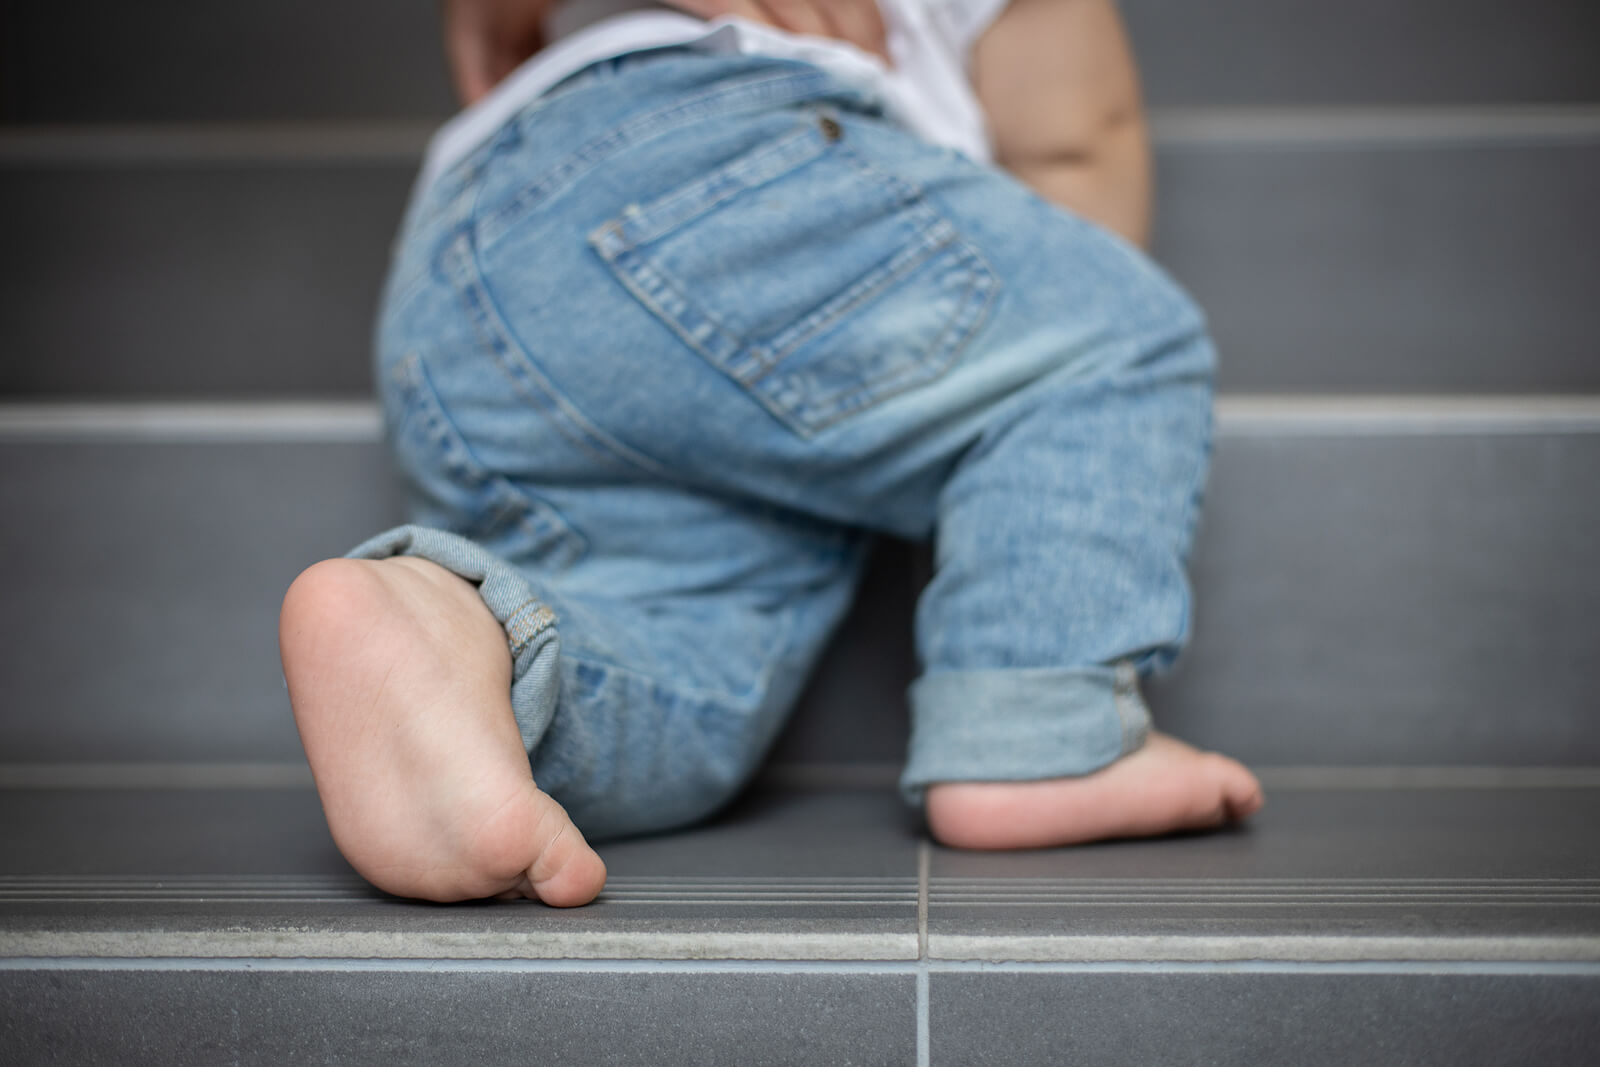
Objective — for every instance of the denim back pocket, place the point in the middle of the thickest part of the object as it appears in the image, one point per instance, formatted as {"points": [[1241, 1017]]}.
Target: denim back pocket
{"points": [[818, 281], [451, 490]]}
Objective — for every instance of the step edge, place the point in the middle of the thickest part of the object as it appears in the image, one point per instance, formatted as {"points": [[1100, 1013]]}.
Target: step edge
{"points": [[359, 421], [1441, 948], [931, 967], [1400, 127], [496, 945], [403, 141]]}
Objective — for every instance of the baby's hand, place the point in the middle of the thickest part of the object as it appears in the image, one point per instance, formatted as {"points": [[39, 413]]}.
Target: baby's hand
{"points": [[1164, 787], [484, 40], [856, 21]]}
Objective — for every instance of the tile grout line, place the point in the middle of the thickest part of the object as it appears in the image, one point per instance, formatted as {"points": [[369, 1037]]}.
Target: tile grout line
{"points": [[924, 863]]}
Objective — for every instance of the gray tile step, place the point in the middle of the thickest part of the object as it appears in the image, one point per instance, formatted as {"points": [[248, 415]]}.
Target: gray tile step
{"points": [[187, 925], [148, 578], [1409, 598], [194, 280], [365, 1014], [246, 1015], [1224, 1016], [253, 873], [1320, 875], [187, 60], [1399, 266], [1402, 254], [180, 60], [1324, 875], [1364, 52], [1378, 584]]}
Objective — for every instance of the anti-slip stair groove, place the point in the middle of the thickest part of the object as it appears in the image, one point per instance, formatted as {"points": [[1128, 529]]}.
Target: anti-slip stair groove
{"points": [[117, 889], [1028, 892], [908, 967], [1180, 892]]}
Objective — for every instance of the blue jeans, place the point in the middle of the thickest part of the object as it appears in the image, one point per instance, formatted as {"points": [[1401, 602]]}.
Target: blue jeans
{"points": [[659, 357]]}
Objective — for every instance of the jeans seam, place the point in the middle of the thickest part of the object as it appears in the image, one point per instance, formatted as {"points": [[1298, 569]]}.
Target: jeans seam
{"points": [[931, 237], [934, 232], [619, 243], [534, 515], [974, 305], [409, 373], [1134, 729], [759, 687], [524, 375], [639, 277], [746, 93], [682, 206], [523, 630]]}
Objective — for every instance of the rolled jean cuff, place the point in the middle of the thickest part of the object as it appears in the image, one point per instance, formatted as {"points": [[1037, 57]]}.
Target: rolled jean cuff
{"points": [[529, 623], [1013, 725]]}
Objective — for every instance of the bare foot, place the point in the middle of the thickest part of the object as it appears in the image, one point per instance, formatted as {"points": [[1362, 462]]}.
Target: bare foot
{"points": [[400, 680], [1165, 786]]}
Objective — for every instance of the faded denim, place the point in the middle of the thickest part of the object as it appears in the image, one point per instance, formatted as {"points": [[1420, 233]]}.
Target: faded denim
{"points": [[660, 357]]}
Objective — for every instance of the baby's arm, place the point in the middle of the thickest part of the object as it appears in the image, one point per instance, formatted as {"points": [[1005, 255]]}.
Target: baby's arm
{"points": [[1059, 88]]}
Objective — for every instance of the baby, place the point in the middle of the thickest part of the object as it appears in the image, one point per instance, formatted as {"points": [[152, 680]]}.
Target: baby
{"points": [[685, 312]]}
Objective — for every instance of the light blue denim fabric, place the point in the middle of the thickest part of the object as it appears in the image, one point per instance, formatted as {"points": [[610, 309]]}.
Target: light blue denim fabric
{"points": [[660, 357]]}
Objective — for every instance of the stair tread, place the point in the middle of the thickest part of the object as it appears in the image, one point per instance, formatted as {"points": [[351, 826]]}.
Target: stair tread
{"points": [[1321, 874]]}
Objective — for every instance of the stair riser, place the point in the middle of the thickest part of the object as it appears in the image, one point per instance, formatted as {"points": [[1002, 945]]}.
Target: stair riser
{"points": [[385, 1016], [1337, 266], [1263, 1018], [184, 61], [1363, 598], [175, 1017]]}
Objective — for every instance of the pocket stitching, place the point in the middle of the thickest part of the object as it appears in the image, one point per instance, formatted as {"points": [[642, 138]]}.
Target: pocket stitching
{"points": [[972, 308], [677, 209], [750, 362], [640, 277], [762, 90], [458, 263], [930, 239]]}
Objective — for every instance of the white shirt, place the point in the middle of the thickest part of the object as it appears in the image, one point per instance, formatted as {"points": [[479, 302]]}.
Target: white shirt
{"points": [[926, 87]]}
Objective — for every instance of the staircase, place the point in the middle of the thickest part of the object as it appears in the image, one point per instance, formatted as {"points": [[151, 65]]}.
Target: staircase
{"points": [[1389, 210]]}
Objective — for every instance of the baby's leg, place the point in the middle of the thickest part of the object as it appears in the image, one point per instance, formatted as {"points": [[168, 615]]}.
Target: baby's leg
{"points": [[400, 680], [422, 693], [1061, 564], [1062, 539], [547, 428]]}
